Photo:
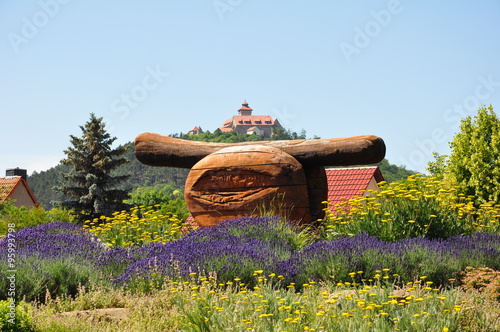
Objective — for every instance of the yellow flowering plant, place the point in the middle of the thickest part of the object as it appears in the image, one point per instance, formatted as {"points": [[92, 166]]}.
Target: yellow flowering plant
{"points": [[138, 226], [376, 305], [420, 206]]}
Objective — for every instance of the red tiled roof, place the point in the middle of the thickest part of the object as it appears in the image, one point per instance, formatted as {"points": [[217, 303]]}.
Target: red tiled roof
{"points": [[254, 120], [9, 184], [245, 107], [247, 120], [226, 127], [346, 183]]}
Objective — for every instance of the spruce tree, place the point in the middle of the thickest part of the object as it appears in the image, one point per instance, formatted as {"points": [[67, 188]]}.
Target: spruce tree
{"points": [[90, 188]]}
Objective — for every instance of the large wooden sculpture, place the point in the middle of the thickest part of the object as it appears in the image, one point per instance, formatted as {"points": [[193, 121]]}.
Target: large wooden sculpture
{"points": [[236, 179]]}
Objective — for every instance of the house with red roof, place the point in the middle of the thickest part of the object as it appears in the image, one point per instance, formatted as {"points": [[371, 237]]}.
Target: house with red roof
{"points": [[246, 123], [195, 131], [16, 188], [344, 183]]}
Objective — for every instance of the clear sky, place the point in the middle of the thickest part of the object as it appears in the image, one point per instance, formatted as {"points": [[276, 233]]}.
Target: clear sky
{"points": [[406, 71]]}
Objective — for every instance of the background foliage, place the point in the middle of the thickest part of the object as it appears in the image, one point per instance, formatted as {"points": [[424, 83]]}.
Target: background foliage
{"points": [[23, 217], [474, 161]]}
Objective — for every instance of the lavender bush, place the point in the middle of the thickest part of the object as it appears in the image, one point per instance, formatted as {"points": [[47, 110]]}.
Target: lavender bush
{"points": [[438, 260], [233, 249], [61, 256], [238, 247], [57, 257]]}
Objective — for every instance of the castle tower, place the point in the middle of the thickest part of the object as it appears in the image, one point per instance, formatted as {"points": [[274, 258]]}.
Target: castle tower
{"points": [[245, 110]]}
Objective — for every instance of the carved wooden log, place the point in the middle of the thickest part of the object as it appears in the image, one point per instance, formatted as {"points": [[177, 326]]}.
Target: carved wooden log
{"points": [[317, 189], [244, 180], [230, 180], [157, 150]]}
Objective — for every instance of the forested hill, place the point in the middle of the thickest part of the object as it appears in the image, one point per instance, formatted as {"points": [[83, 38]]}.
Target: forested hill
{"points": [[43, 183], [392, 172]]}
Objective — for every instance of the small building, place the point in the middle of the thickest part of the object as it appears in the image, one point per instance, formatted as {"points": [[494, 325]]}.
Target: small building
{"points": [[246, 123], [195, 131], [254, 130], [15, 187], [345, 183]]}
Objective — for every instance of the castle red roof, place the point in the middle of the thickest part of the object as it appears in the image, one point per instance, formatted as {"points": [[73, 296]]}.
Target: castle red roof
{"points": [[261, 120], [347, 182], [245, 107], [247, 120], [226, 127]]}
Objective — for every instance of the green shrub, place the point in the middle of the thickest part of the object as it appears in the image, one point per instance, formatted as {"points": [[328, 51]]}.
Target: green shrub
{"points": [[167, 196], [15, 317], [36, 277], [23, 217]]}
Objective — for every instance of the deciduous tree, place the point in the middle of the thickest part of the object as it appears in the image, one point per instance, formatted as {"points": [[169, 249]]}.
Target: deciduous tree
{"points": [[474, 161]]}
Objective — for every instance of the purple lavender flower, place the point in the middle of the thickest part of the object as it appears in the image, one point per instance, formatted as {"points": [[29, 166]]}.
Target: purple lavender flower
{"points": [[437, 259], [55, 240], [237, 248]]}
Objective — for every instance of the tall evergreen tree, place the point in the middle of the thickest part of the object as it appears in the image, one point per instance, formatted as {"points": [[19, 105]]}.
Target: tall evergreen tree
{"points": [[90, 189]]}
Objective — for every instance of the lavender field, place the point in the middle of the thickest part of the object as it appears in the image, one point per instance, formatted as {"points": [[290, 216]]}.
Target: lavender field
{"points": [[56, 260]]}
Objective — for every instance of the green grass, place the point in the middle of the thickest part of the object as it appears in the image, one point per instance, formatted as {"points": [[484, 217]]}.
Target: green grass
{"points": [[202, 304]]}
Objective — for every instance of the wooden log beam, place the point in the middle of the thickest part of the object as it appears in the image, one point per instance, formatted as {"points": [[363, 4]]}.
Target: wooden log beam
{"points": [[158, 150]]}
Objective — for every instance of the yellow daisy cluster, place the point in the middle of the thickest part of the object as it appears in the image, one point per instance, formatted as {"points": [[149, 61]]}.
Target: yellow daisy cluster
{"points": [[346, 307], [416, 207], [139, 225]]}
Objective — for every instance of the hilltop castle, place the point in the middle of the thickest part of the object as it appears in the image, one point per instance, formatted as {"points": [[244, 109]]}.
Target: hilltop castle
{"points": [[246, 123]]}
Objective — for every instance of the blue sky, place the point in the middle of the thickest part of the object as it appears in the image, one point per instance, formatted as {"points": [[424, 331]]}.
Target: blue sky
{"points": [[406, 71]]}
